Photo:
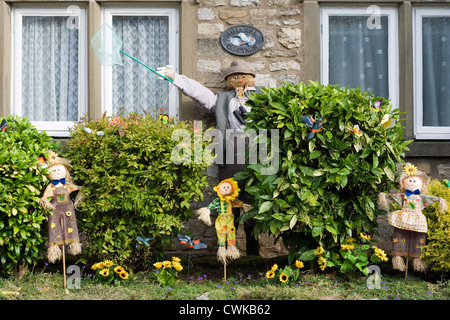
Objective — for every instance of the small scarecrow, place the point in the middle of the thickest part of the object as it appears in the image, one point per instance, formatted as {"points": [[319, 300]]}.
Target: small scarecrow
{"points": [[62, 224], [410, 224], [228, 191]]}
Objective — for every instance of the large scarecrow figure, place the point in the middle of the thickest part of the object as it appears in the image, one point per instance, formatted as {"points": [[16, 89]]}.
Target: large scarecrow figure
{"points": [[228, 191], [410, 224], [62, 223], [229, 109]]}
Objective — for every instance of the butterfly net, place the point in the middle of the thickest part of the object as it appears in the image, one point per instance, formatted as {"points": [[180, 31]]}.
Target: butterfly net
{"points": [[107, 46]]}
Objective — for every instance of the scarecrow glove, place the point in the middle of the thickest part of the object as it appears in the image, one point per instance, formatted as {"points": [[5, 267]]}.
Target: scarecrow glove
{"points": [[167, 71]]}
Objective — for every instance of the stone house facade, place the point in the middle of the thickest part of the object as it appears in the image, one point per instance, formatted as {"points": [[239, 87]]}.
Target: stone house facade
{"points": [[304, 40]]}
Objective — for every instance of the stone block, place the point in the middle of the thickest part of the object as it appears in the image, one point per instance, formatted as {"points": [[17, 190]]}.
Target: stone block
{"points": [[210, 29], [284, 65], [205, 14], [244, 3], [290, 37], [232, 14], [208, 66]]}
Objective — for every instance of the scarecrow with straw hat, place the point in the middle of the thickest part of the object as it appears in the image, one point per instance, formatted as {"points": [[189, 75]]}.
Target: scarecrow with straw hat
{"points": [[410, 224], [229, 109], [62, 223]]}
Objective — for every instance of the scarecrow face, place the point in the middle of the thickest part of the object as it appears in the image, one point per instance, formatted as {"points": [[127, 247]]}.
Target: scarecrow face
{"points": [[238, 80], [225, 188], [57, 172], [412, 183]]}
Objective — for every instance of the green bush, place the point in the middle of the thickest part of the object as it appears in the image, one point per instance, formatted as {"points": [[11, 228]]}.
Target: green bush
{"points": [[326, 188], [437, 251], [21, 185], [131, 186]]}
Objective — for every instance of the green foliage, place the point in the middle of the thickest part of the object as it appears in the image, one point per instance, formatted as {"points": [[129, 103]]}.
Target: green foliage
{"points": [[166, 272], [21, 185], [437, 251], [131, 186], [326, 187], [109, 273]]}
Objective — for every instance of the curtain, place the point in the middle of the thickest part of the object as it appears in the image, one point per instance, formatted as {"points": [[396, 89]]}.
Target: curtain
{"points": [[358, 56], [135, 88], [436, 73], [49, 69]]}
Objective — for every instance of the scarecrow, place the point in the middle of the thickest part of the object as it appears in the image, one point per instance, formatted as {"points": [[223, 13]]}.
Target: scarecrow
{"points": [[229, 109], [62, 223], [228, 191], [410, 224]]}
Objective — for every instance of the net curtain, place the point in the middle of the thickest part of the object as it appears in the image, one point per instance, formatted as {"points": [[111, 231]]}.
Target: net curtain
{"points": [[358, 56], [135, 88], [49, 69], [436, 74]]}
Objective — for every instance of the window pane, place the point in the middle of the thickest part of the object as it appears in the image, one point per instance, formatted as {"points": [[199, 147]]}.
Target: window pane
{"points": [[49, 69], [136, 88], [436, 73], [358, 56]]}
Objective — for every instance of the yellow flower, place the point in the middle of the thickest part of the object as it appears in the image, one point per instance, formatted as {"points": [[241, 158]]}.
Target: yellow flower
{"points": [[124, 275], [299, 264], [318, 251], [69, 230], [95, 267], [108, 263], [349, 240], [410, 170], [68, 213], [322, 263], [100, 265], [105, 272], [52, 225], [118, 269], [176, 259], [167, 264], [380, 253], [177, 266], [347, 247], [284, 278], [52, 157], [275, 267], [365, 235], [158, 265], [270, 274]]}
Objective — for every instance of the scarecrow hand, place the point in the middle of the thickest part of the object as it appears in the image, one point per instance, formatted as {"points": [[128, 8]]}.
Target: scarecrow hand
{"points": [[204, 214], [167, 71]]}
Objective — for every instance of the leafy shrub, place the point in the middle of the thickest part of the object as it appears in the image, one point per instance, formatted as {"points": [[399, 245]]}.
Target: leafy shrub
{"points": [[437, 251], [326, 187], [131, 186], [21, 184]]}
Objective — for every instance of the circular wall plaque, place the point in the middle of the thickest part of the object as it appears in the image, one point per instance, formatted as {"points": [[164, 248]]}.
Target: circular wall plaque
{"points": [[242, 40]]}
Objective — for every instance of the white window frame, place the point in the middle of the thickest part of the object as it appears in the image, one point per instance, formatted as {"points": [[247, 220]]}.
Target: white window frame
{"points": [[422, 132], [108, 11], [52, 128], [391, 13]]}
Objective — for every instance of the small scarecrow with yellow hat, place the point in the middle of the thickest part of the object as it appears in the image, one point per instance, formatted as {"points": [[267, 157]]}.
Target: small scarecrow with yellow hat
{"points": [[62, 224], [410, 224], [228, 191]]}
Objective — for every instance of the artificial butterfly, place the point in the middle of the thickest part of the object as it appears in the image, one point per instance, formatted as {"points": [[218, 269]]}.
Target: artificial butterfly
{"points": [[142, 240], [356, 130], [386, 121], [315, 126], [446, 182], [191, 243], [4, 125], [376, 106], [164, 118]]}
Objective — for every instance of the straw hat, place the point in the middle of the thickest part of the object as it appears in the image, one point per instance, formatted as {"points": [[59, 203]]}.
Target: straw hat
{"points": [[238, 66]]}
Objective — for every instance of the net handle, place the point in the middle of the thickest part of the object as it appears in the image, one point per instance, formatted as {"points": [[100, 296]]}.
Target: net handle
{"points": [[170, 80]]}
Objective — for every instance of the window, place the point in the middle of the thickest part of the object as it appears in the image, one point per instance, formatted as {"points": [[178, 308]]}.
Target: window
{"points": [[431, 32], [49, 67], [151, 36], [359, 48]]}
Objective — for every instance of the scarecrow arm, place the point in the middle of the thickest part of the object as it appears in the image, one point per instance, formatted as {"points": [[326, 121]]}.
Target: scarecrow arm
{"points": [[45, 200], [196, 91]]}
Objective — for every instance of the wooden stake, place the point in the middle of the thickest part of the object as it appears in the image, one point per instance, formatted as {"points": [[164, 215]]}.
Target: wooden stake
{"points": [[63, 255], [406, 269], [225, 271]]}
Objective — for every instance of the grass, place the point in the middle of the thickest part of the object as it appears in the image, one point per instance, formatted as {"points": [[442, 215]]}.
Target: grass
{"points": [[245, 281]]}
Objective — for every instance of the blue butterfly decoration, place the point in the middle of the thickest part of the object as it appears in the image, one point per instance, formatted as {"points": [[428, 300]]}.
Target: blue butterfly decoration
{"points": [[191, 243], [142, 240], [315, 125]]}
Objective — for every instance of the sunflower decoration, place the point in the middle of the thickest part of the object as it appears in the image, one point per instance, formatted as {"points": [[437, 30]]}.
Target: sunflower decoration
{"points": [[284, 277], [109, 273], [410, 169], [52, 157]]}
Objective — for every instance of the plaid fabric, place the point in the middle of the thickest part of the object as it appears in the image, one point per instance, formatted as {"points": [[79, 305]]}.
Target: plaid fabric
{"points": [[410, 217]]}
